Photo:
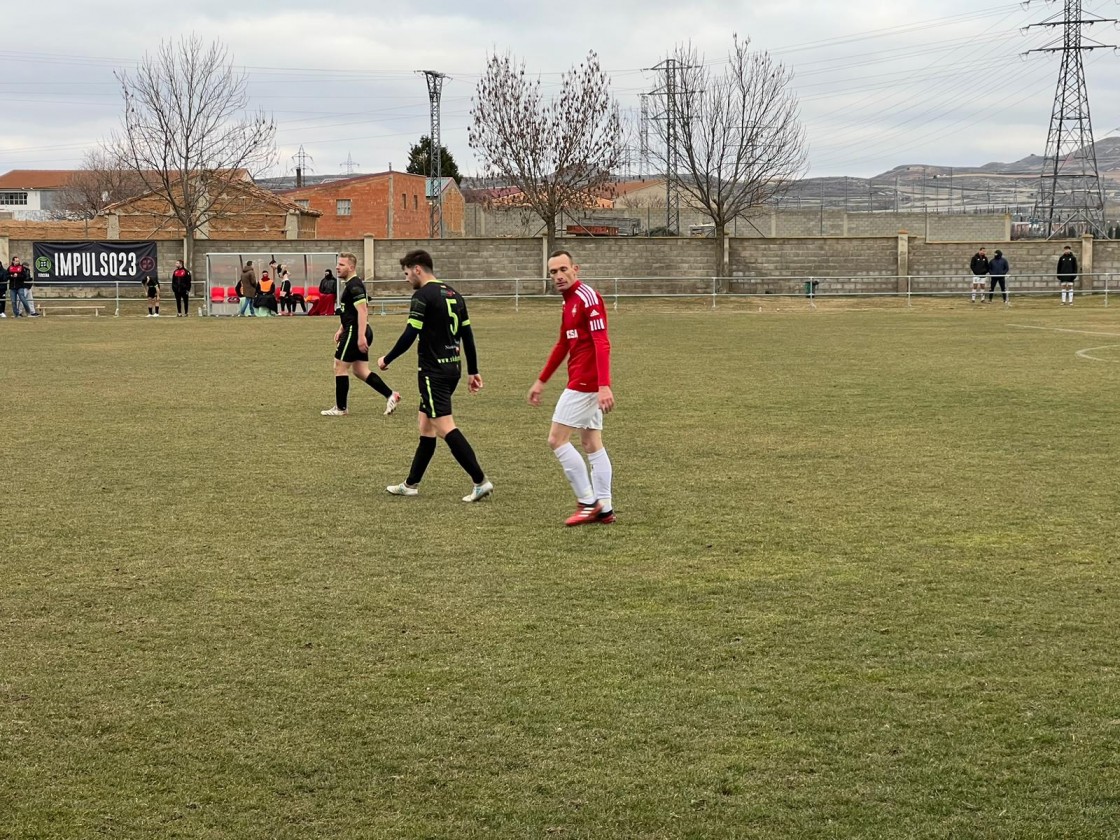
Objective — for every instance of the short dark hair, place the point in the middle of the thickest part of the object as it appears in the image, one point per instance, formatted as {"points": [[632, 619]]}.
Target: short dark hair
{"points": [[560, 252], [418, 257]]}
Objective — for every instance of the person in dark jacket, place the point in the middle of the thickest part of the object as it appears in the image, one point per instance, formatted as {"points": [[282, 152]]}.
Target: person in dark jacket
{"points": [[181, 286], [328, 285], [3, 290], [19, 285], [979, 266], [249, 289], [998, 269], [1067, 275]]}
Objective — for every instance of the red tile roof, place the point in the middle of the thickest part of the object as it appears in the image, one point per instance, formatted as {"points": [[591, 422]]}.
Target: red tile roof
{"points": [[35, 179]]}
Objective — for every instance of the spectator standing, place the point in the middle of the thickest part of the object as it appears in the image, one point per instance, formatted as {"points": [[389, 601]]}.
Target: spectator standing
{"points": [[19, 285], [979, 266], [1067, 275], [249, 289], [998, 269], [3, 290], [181, 286]]}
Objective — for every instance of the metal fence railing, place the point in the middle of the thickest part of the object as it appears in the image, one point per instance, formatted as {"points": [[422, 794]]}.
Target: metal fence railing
{"points": [[391, 296]]}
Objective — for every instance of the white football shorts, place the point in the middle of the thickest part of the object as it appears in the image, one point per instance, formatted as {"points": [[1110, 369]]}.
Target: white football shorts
{"points": [[578, 410]]}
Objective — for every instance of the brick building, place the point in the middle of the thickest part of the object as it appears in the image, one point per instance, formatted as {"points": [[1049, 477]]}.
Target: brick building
{"points": [[385, 205]]}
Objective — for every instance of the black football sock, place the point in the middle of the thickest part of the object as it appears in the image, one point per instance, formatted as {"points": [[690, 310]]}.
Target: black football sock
{"points": [[378, 384], [463, 453], [157, 310], [341, 391], [425, 449]]}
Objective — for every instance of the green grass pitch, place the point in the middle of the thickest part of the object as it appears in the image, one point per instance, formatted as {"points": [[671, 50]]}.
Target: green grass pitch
{"points": [[864, 583]]}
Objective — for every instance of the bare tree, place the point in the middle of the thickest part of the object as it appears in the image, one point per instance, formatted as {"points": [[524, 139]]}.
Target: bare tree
{"points": [[736, 134], [558, 153], [101, 181], [187, 133]]}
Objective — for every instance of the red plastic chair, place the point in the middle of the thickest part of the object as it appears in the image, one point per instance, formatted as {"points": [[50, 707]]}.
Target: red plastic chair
{"points": [[217, 295], [297, 290], [231, 294]]}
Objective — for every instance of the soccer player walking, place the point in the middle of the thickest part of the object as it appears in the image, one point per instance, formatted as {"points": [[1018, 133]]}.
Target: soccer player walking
{"points": [[584, 340], [438, 316], [351, 342]]}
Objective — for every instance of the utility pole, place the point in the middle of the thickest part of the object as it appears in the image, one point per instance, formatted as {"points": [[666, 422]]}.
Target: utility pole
{"points": [[302, 161], [435, 150], [675, 115], [643, 139], [1069, 193], [348, 166]]}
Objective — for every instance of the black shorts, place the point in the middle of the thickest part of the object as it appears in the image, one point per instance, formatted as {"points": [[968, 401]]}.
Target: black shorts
{"points": [[152, 293], [435, 393], [347, 348]]}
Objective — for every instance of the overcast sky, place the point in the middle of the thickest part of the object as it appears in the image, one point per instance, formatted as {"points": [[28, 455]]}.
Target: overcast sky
{"points": [[881, 83]]}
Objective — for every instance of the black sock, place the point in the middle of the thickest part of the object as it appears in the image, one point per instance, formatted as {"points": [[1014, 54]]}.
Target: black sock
{"points": [[341, 390], [425, 449], [378, 384], [157, 310], [149, 310], [463, 453]]}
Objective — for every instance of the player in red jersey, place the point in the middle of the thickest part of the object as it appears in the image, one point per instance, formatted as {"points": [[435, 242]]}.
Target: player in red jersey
{"points": [[584, 340]]}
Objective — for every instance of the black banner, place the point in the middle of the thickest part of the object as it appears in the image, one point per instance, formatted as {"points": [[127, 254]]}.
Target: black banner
{"points": [[93, 263]]}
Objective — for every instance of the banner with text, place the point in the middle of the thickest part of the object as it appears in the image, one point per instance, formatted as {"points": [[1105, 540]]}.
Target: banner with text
{"points": [[93, 263]]}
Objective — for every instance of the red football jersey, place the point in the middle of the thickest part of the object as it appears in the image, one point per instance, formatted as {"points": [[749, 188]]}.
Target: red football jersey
{"points": [[583, 339]]}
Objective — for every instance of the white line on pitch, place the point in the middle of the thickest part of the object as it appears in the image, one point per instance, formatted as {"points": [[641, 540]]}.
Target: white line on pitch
{"points": [[1059, 329]]}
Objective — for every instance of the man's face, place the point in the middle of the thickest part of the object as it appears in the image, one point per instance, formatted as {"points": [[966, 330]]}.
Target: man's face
{"points": [[15, 261], [981, 252], [414, 274], [343, 269], [178, 263], [562, 272]]}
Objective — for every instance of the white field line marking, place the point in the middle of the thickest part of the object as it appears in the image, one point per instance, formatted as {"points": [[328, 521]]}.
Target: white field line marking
{"points": [[1087, 353], [1060, 330]]}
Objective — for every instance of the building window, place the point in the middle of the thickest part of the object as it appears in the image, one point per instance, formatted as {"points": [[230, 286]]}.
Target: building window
{"points": [[10, 198], [404, 201], [304, 203], [342, 207], [415, 202]]}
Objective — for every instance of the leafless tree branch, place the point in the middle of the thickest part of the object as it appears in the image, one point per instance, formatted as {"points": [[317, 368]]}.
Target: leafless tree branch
{"points": [[187, 133], [739, 138], [558, 153]]}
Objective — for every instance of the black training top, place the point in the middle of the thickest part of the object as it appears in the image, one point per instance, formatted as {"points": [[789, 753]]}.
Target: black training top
{"points": [[353, 294], [438, 315], [150, 282]]}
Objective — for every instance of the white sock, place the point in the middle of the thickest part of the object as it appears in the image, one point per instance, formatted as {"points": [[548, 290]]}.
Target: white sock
{"points": [[575, 470], [601, 474]]}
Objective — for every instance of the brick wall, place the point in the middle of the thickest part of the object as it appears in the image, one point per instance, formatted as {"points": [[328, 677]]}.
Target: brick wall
{"points": [[377, 202], [784, 222], [758, 265]]}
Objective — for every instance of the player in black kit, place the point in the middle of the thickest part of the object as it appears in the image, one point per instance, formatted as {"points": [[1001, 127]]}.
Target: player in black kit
{"points": [[151, 284], [438, 317], [352, 340]]}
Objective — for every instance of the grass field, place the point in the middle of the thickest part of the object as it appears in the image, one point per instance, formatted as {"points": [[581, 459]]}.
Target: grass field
{"points": [[863, 584]]}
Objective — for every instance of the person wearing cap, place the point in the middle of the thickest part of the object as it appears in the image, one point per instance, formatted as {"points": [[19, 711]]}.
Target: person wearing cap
{"points": [[1067, 275], [998, 270]]}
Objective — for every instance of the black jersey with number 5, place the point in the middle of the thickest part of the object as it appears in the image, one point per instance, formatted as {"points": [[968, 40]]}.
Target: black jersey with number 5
{"points": [[439, 313]]}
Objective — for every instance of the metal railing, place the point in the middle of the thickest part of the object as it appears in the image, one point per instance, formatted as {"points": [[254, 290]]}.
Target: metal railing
{"points": [[391, 296]]}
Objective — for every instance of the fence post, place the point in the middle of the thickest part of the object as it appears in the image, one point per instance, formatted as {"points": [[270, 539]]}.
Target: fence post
{"points": [[909, 289], [1106, 289], [117, 303], [616, 294], [715, 282], [516, 294]]}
